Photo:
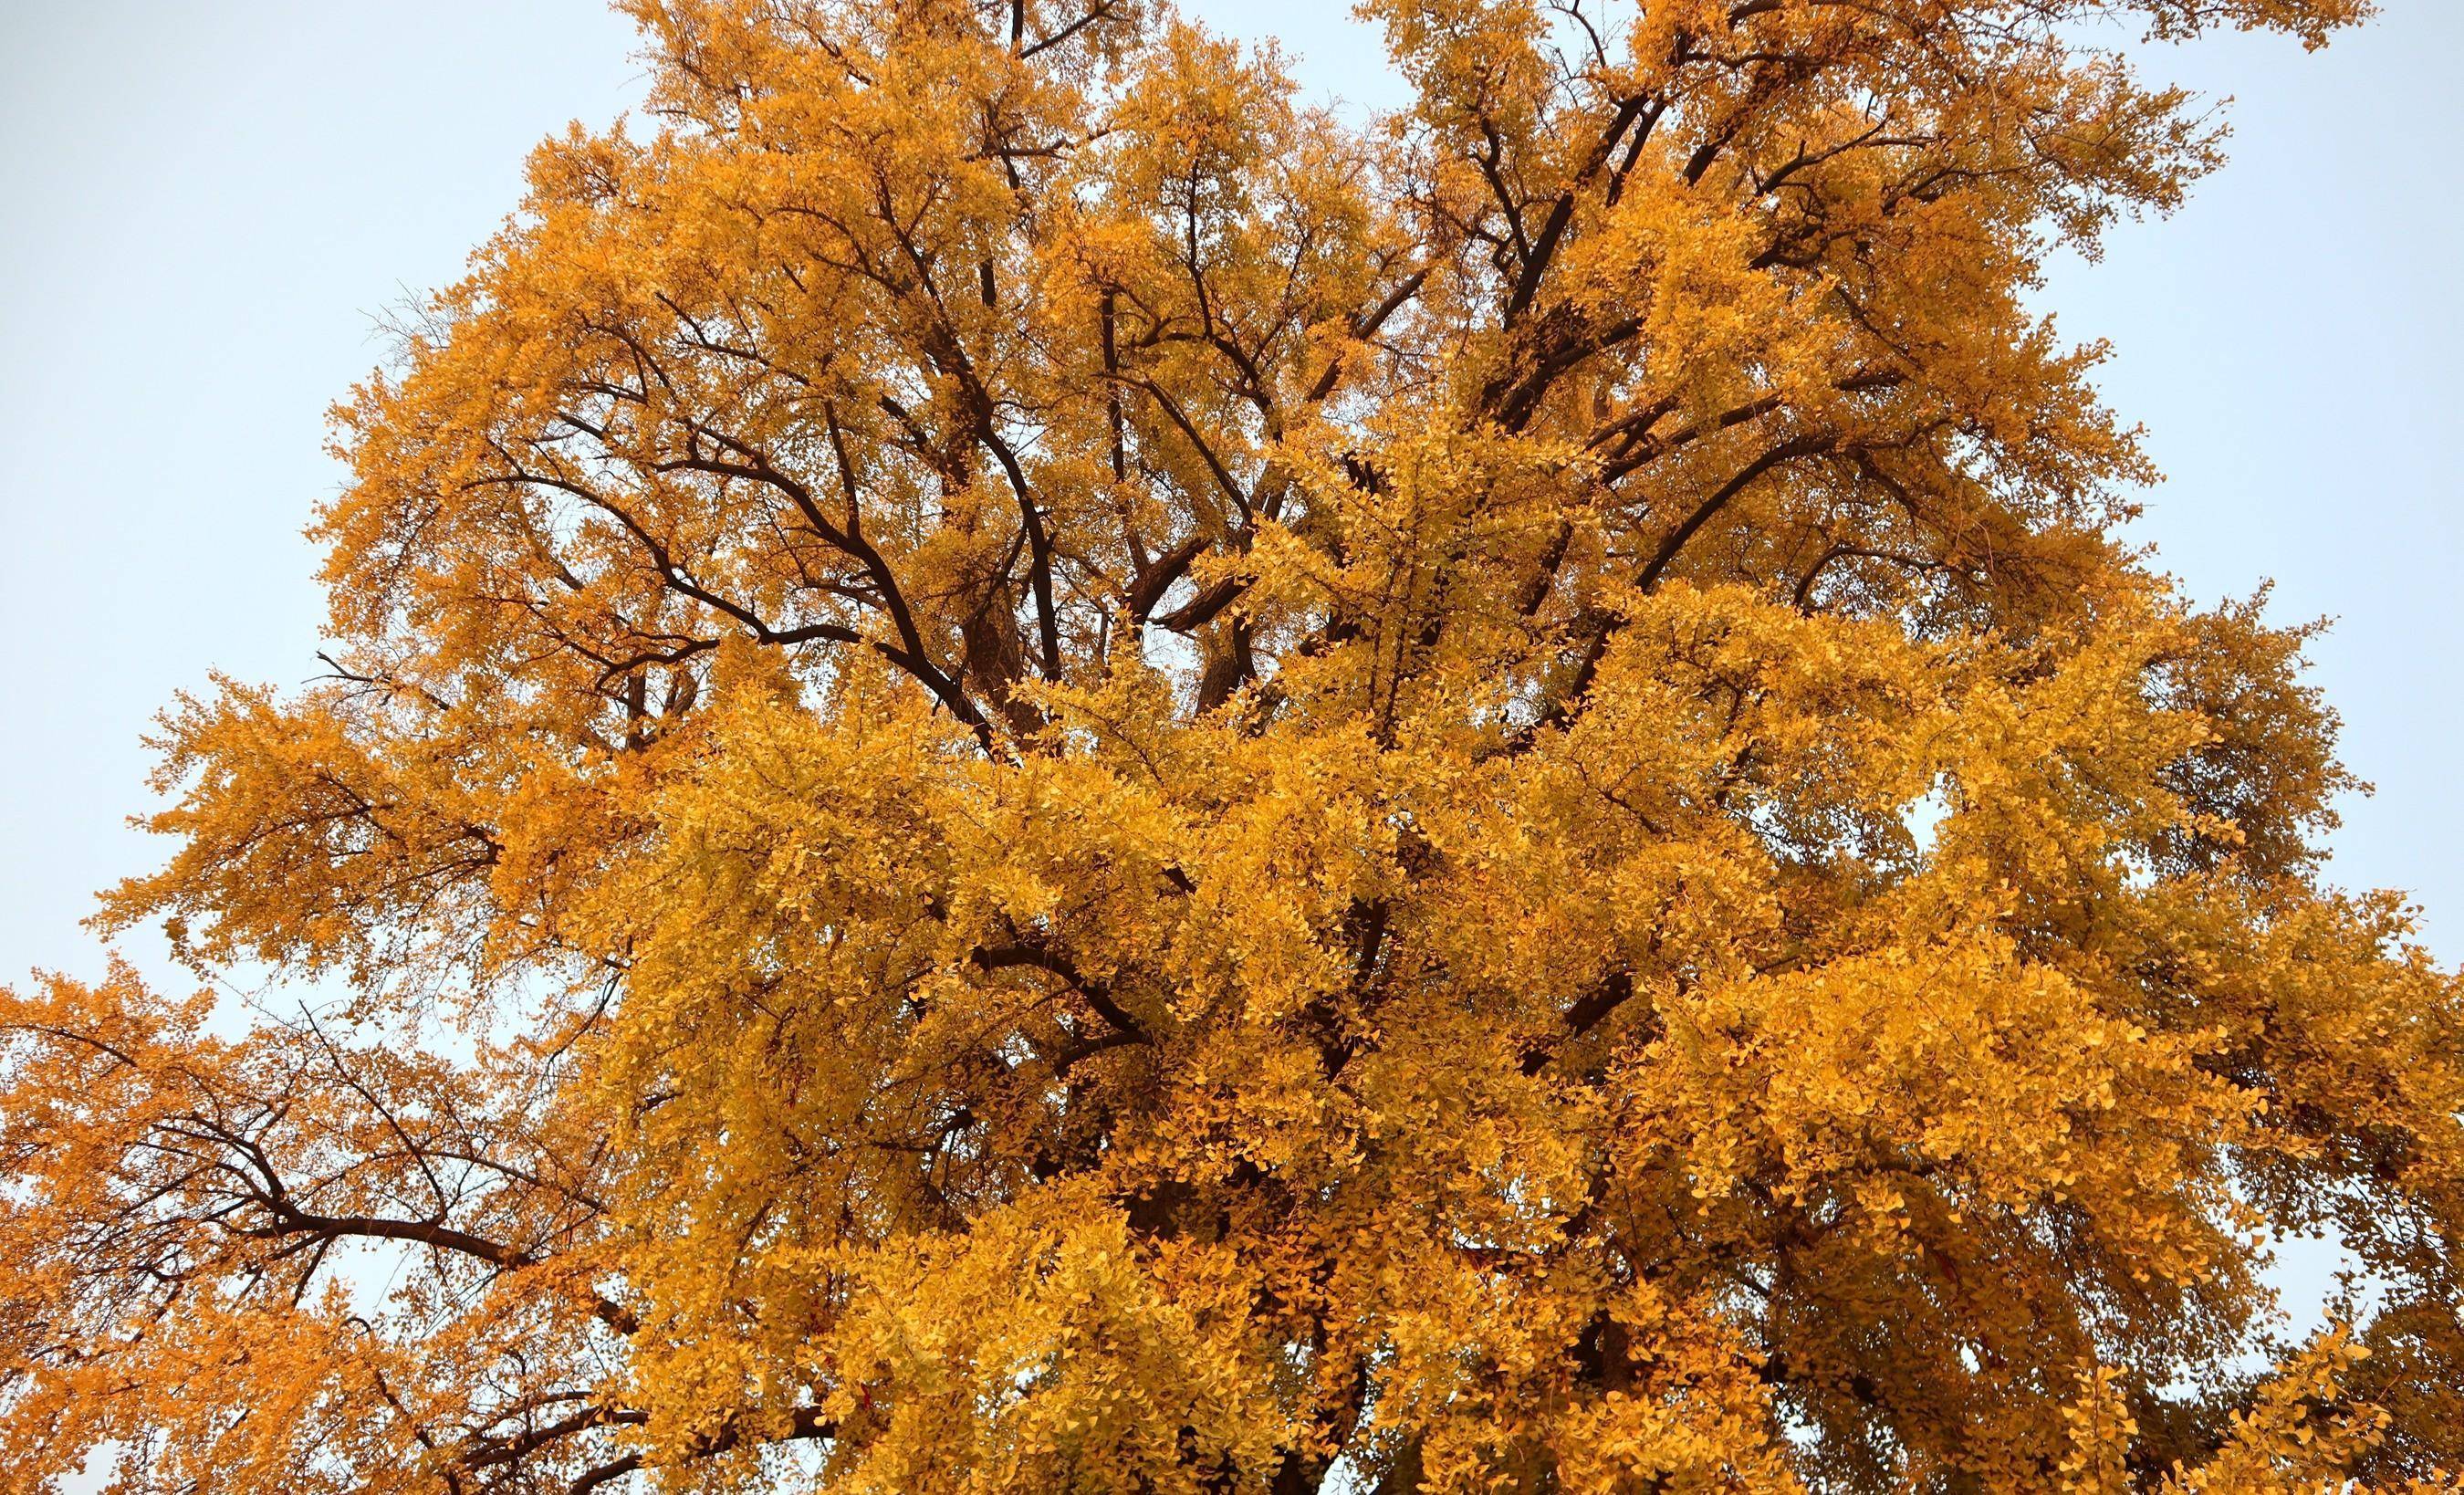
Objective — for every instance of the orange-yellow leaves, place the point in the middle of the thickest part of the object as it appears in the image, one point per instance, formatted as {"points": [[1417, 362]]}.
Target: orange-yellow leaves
{"points": [[1043, 774]]}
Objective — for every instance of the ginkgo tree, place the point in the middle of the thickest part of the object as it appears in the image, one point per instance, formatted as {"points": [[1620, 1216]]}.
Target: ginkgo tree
{"points": [[1043, 772]]}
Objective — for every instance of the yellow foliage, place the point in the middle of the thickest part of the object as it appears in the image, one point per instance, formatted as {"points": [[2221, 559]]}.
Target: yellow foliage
{"points": [[1043, 774]]}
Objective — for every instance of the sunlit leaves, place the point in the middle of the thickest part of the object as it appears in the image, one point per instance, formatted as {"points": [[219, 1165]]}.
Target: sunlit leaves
{"points": [[1041, 772]]}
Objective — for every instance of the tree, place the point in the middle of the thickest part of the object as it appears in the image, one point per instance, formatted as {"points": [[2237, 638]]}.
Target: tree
{"points": [[1043, 774]]}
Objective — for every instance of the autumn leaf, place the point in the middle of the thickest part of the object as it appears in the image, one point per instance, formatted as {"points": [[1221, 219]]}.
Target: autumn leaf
{"points": [[1041, 773]]}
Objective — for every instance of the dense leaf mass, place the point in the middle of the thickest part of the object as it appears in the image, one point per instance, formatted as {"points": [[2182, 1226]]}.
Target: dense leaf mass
{"points": [[1043, 774]]}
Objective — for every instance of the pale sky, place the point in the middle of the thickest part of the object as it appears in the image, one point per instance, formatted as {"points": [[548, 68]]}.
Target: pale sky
{"points": [[205, 208]]}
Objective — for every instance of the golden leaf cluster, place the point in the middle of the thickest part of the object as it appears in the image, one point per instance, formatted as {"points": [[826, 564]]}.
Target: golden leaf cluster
{"points": [[1043, 774]]}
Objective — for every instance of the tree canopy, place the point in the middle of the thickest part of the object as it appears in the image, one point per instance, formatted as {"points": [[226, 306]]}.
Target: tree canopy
{"points": [[1041, 772]]}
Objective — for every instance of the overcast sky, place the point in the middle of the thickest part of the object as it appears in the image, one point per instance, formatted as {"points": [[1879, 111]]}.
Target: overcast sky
{"points": [[205, 208]]}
